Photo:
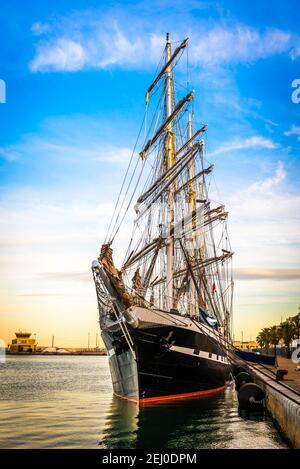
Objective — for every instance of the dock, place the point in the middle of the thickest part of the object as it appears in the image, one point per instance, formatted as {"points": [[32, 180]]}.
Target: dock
{"points": [[282, 397], [293, 376]]}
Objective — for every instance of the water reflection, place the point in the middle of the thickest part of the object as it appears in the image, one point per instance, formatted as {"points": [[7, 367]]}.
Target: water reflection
{"points": [[256, 415], [209, 422], [121, 425], [178, 424]]}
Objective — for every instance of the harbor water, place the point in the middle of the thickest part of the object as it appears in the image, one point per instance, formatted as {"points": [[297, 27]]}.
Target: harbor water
{"points": [[67, 402]]}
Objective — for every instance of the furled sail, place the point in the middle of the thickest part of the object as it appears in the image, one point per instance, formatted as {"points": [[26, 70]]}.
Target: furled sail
{"points": [[179, 255], [165, 124], [114, 274]]}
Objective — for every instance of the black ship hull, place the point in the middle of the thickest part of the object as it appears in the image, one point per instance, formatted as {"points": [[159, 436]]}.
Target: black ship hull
{"points": [[165, 362]]}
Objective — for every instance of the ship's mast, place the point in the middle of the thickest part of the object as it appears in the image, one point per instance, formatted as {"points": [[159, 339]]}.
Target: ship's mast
{"points": [[170, 154], [192, 193], [178, 258], [192, 202]]}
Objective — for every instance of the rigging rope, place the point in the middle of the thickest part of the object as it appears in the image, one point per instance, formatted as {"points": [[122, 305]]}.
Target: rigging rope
{"points": [[116, 228], [131, 158]]}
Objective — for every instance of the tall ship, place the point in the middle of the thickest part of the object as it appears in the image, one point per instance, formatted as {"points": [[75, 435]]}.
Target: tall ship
{"points": [[165, 315]]}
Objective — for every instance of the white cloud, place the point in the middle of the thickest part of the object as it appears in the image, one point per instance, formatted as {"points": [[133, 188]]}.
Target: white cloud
{"points": [[100, 40], [48, 241], [9, 153], [91, 151], [39, 28], [264, 223], [293, 131], [113, 154], [118, 49], [264, 226], [222, 45], [295, 52], [236, 144], [270, 182], [105, 45], [49, 146], [44, 234], [270, 274], [63, 54]]}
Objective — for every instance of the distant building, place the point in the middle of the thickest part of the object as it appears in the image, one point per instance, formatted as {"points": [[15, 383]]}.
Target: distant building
{"points": [[23, 343], [248, 345]]}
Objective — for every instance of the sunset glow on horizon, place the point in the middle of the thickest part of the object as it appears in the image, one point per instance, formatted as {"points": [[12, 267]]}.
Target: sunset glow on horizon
{"points": [[75, 85]]}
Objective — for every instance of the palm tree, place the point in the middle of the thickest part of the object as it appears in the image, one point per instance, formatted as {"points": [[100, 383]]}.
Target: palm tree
{"points": [[260, 339], [287, 332], [274, 336], [264, 338], [296, 322]]}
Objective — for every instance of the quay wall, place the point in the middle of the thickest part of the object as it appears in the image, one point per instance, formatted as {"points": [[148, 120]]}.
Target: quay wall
{"points": [[283, 405]]}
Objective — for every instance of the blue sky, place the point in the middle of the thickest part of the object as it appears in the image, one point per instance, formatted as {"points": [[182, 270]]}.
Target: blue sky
{"points": [[76, 74]]}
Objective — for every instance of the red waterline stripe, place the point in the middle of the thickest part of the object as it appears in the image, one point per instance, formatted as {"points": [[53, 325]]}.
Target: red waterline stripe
{"points": [[181, 396], [186, 395], [127, 398]]}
